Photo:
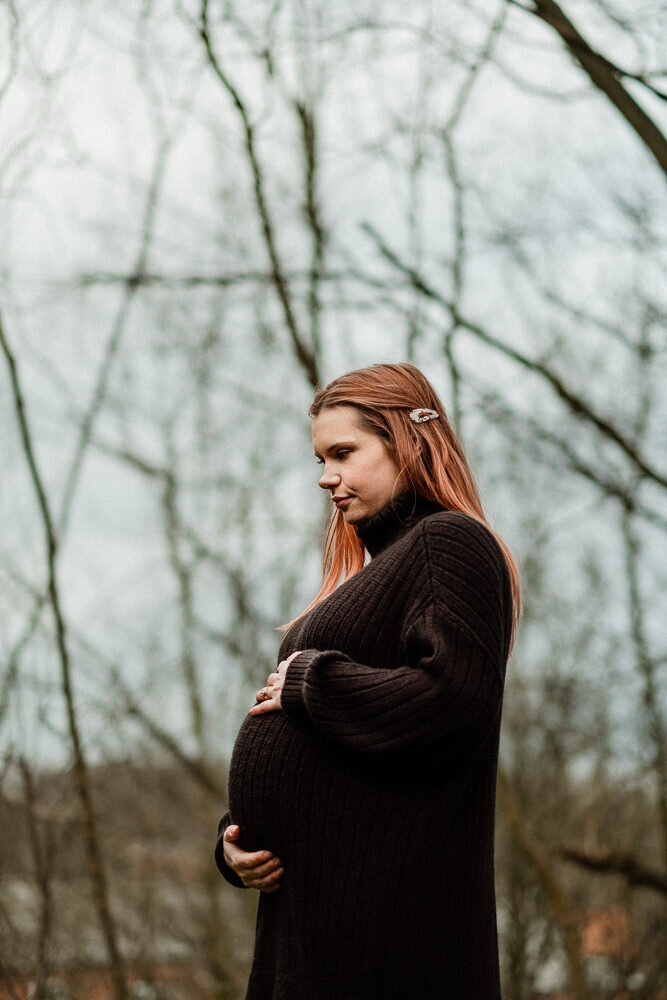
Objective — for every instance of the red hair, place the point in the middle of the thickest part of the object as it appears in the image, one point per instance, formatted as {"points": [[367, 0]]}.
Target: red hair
{"points": [[429, 457]]}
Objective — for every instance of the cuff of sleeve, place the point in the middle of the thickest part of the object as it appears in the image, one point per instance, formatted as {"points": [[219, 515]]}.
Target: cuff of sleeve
{"points": [[293, 694], [223, 867]]}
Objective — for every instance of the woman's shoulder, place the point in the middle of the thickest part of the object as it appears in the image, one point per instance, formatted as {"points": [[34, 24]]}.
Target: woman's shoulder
{"points": [[468, 576], [455, 526], [461, 545]]}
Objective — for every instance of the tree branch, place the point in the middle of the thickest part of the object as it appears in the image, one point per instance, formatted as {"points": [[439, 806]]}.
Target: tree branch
{"points": [[304, 353], [183, 573], [606, 77], [616, 863], [132, 283], [564, 447], [577, 406], [195, 768], [539, 858], [312, 211], [81, 774], [656, 730], [41, 855]]}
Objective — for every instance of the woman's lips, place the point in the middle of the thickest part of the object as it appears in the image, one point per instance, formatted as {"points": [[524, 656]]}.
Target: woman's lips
{"points": [[341, 501]]}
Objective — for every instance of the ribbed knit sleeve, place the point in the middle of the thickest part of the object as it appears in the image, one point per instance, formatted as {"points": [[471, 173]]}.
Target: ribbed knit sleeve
{"points": [[453, 646]]}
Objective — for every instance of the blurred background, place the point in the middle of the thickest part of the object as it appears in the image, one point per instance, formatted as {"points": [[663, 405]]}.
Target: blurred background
{"points": [[209, 208]]}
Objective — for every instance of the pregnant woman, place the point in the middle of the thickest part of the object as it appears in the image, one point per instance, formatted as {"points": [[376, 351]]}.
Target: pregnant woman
{"points": [[362, 783]]}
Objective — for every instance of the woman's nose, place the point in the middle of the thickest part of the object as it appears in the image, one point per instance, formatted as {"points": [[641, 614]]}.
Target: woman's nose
{"points": [[329, 479]]}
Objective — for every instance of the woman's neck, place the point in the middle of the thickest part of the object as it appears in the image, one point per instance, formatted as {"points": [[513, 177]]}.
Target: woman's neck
{"points": [[380, 530]]}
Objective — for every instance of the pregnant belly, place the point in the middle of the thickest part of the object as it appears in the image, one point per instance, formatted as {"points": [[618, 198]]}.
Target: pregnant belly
{"points": [[264, 779], [289, 788]]}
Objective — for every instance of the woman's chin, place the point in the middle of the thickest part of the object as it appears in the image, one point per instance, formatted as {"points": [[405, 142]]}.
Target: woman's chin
{"points": [[353, 517]]}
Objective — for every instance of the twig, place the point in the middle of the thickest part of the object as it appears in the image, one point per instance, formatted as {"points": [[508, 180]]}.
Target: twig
{"points": [[305, 354]]}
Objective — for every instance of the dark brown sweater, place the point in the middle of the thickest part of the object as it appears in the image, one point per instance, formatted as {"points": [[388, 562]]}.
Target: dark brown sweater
{"points": [[376, 784]]}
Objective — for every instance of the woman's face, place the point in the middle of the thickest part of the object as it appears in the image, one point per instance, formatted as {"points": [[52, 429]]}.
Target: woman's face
{"points": [[358, 470]]}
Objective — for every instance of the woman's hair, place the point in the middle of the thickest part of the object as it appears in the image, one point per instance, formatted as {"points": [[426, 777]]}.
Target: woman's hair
{"points": [[429, 457]]}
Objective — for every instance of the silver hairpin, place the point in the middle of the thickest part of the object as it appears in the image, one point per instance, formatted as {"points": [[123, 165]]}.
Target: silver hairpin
{"points": [[422, 415]]}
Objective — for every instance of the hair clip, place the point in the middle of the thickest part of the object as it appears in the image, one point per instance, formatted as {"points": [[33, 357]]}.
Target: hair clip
{"points": [[422, 415]]}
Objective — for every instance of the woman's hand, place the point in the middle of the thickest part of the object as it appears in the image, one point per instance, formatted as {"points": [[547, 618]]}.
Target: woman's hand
{"points": [[269, 698], [257, 869]]}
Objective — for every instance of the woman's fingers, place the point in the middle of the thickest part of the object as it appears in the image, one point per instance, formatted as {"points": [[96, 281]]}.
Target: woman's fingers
{"points": [[266, 877], [268, 691], [269, 698], [265, 883], [260, 870], [270, 705], [243, 861], [284, 664], [257, 869], [236, 856]]}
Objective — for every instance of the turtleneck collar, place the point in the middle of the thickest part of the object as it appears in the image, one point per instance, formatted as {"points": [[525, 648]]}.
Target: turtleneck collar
{"points": [[380, 530]]}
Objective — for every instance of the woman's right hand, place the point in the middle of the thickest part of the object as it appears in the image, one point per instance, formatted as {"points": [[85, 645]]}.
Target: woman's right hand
{"points": [[257, 869]]}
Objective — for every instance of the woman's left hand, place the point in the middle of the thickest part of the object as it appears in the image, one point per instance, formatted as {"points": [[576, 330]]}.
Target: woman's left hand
{"points": [[269, 698]]}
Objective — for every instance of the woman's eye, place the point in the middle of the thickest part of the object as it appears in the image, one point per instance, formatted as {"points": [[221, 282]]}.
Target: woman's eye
{"points": [[342, 453]]}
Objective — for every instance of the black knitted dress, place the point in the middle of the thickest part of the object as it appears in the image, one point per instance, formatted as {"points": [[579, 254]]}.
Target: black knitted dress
{"points": [[375, 785]]}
